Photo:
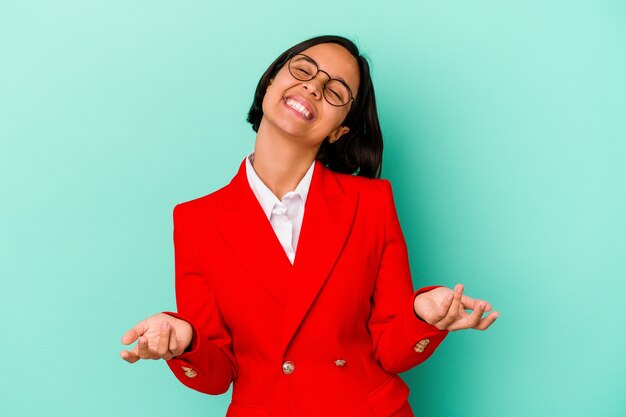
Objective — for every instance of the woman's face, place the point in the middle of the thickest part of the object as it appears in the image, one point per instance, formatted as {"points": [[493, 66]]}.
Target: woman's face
{"points": [[299, 109]]}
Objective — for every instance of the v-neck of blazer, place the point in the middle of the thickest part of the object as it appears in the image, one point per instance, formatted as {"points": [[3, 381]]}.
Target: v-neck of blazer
{"points": [[328, 217]]}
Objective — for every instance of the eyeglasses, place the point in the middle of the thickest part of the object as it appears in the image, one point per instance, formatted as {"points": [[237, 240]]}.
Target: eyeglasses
{"points": [[336, 92]]}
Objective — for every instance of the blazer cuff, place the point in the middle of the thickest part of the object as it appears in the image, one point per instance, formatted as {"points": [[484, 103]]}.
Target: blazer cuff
{"points": [[422, 327], [419, 339], [421, 291], [203, 366]]}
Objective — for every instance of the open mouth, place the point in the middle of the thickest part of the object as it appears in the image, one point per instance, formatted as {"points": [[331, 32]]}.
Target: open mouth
{"points": [[297, 106]]}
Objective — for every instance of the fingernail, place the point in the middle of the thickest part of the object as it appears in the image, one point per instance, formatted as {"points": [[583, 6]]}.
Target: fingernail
{"points": [[164, 325]]}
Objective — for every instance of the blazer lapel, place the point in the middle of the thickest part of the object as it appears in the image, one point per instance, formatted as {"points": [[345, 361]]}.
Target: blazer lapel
{"points": [[328, 218], [242, 223]]}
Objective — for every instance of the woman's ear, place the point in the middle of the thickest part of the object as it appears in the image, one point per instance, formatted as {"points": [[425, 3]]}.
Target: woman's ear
{"points": [[337, 133]]}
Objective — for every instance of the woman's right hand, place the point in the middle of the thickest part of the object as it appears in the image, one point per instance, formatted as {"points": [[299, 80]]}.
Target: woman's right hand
{"points": [[158, 337]]}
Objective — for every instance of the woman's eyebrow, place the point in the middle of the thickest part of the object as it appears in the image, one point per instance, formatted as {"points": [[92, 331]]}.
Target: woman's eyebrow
{"points": [[334, 77]]}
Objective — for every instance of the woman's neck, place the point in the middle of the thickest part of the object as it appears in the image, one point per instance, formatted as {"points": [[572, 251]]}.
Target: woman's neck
{"points": [[281, 162]]}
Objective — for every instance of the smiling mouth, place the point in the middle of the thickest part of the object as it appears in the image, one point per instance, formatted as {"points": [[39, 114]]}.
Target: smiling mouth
{"points": [[299, 108]]}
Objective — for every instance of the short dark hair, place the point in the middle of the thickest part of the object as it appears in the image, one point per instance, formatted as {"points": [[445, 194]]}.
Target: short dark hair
{"points": [[360, 151]]}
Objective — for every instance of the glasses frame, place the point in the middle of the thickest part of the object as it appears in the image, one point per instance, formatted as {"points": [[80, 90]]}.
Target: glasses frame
{"points": [[312, 61]]}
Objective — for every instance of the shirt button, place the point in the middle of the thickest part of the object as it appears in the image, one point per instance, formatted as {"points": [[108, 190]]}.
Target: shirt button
{"points": [[288, 367]]}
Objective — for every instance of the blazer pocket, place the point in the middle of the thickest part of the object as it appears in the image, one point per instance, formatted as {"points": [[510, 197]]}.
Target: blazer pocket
{"points": [[391, 396], [236, 409]]}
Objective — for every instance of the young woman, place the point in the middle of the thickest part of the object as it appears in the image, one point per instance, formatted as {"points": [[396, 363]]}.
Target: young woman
{"points": [[293, 281]]}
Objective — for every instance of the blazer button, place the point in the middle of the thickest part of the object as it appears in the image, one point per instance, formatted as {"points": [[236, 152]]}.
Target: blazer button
{"points": [[288, 367], [189, 372], [421, 345], [340, 362]]}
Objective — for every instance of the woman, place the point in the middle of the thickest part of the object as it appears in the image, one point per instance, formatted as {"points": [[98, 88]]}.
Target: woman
{"points": [[293, 280]]}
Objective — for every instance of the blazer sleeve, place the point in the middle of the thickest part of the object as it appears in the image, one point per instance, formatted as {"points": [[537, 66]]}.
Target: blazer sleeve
{"points": [[393, 324], [208, 365]]}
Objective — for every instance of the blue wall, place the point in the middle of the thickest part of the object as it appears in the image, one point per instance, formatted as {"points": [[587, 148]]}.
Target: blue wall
{"points": [[505, 135]]}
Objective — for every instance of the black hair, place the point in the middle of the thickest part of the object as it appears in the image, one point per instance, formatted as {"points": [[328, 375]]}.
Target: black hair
{"points": [[359, 151]]}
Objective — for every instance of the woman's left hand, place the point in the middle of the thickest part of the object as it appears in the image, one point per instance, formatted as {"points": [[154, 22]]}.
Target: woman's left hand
{"points": [[446, 310]]}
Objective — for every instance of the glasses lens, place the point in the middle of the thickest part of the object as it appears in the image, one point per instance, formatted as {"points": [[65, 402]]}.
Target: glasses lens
{"points": [[336, 93], [301, 68]]}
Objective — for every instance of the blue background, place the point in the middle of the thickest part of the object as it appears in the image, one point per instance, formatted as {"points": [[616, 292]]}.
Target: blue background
{"points": [[505, 136]]}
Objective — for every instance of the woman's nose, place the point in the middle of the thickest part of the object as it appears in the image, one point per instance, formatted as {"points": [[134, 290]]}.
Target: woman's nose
{"points": [[316, 84]]}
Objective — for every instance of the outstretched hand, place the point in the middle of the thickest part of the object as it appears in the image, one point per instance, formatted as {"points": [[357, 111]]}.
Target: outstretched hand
{"points": [[446, 310], [158, 337]]}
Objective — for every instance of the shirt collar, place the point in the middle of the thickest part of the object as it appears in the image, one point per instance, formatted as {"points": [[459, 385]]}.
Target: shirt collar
{"points": [[265, 196]]}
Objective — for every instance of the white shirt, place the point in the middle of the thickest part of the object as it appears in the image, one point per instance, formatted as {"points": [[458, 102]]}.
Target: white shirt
{"points": [[284, 215]]}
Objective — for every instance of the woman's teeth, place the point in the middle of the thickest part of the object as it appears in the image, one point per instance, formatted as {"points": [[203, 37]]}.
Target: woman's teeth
{"points": [[299, 107]]}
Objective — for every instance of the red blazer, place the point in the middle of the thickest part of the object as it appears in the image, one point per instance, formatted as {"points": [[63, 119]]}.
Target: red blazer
{"points": [[323, 337]]}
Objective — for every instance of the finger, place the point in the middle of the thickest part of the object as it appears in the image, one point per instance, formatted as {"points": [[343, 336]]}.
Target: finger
{"points": [[134, 333], [442, 309], [470, 303], [174, 345], [143, 349], [462, 313], [130, 356], [163, 346], [487, 321], [472, 320], [452, 313], [476, 315]]}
